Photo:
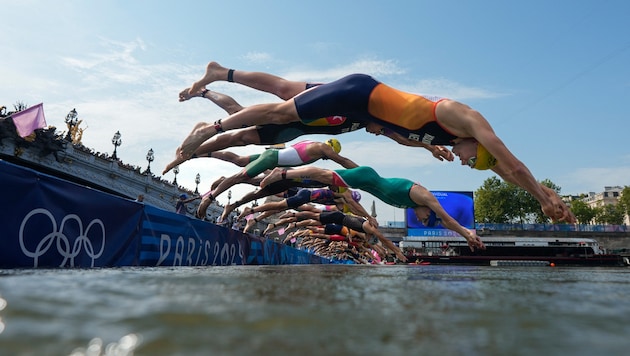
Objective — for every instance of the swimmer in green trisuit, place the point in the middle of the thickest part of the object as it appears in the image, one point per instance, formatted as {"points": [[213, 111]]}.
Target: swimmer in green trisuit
{"points": [[398, 192]]}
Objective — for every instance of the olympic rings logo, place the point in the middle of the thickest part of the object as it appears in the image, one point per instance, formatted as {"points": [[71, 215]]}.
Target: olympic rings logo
{"points": [[62, 241]]}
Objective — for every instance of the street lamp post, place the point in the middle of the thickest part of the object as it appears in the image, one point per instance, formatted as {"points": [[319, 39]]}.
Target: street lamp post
{"points": [[197, 181], [229, 196], [71, 121], [176, 171], [150, 159], [116, 141]]}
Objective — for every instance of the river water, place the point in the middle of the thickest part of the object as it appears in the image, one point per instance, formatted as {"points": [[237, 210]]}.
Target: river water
{"points": [[316, 310]]}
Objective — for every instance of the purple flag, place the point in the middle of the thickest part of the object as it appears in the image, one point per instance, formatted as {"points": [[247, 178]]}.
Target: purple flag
{"points": [[29, 120]]}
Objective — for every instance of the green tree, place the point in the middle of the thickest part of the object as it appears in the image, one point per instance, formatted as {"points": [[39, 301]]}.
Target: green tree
{"points": [[583, 213], [612, 214], [599, 217], [523, 206], [500, 202], [624, 200], [490, 202]]}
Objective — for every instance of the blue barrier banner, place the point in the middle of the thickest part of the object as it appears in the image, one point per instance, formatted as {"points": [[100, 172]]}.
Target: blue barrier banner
{"points": [[175, 240], [170, 239], [279, 254], [48, 222], [552, 227]]}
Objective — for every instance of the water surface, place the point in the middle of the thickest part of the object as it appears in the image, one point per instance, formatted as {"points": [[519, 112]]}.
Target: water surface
{"points": [[317, 309]]}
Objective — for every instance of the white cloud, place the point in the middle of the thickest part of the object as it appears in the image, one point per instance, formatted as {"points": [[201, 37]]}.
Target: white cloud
{"points": [[594, 179], [372, 67], [451, 89], [257, 57]]}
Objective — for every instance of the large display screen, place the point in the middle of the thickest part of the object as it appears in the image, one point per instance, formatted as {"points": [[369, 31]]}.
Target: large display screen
{"points": [[459, 205]]}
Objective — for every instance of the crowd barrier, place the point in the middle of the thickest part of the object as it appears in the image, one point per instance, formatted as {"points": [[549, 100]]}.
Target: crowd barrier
{"points": [[552, 227], [48, 222]]}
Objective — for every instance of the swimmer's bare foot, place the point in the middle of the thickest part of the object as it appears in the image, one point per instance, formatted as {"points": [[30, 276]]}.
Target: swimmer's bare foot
{"points": [[250, 223], [203, 206], [274, 176], [294, 223], [228, 210], [270, 227], [245, 212], [214, 72], [201, 132], [223, 217], [288, 238], [217, 182], [186, 94], [287, 214]]}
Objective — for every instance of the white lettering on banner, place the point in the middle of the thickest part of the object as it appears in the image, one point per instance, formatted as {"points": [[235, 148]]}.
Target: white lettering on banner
{"points": [[164, 239], [206, 248], [191, 246], [90, 241], [179, 248], [223, 254], [215, 253], [64, 248]]}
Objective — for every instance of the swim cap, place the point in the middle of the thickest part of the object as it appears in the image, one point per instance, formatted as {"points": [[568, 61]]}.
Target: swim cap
{"points": [[484, 160], [335, 144], [356, 196]]}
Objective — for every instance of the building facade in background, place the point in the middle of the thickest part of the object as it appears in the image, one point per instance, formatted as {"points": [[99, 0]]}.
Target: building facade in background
{"points": [[610, 196]]}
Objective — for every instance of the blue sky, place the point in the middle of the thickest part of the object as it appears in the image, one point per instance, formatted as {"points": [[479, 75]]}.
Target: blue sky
{"points": [[552, 77]]}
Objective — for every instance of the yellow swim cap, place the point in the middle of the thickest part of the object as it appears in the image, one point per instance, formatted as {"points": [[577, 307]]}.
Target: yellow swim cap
{"points": [[485, 160], [335, 144]]}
